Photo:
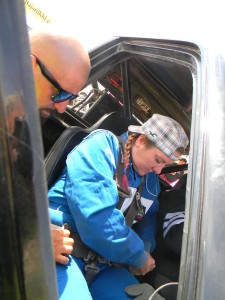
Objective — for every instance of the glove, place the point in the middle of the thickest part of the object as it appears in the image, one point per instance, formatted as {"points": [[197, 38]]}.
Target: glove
{"points": [[142, 292]]}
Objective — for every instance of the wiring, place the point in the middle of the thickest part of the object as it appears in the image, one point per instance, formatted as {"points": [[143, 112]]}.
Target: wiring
{"points": [[161, 287]]}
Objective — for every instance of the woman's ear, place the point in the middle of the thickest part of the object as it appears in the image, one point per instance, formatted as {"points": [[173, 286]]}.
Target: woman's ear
{"points": [[140, 141]]}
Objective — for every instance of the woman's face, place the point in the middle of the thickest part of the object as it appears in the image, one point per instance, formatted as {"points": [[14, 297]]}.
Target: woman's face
{"points": [[146, 159]]}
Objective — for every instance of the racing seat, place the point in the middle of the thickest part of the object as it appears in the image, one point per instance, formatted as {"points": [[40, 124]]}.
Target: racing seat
{"points": [[167, 263], [116, 122]]}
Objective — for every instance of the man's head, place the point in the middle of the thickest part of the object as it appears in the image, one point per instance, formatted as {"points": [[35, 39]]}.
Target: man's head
{"points": [[66, 62]]}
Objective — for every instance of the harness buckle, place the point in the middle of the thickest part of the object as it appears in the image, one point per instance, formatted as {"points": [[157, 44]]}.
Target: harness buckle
{"points": [[91, 257], [139, 204], [91, 267], [103, 260], [91, 270]]}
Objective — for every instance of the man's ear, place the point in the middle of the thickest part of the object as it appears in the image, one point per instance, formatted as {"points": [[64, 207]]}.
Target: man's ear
{"points": [[33, 61], [35, 66]]}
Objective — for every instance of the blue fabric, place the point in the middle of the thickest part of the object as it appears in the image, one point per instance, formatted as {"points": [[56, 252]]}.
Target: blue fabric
{"points": [[85, 197], [71, 282], [108, 285]]}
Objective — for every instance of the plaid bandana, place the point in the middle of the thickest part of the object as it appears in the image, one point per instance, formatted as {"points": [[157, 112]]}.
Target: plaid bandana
{"points": [[166, 133]]}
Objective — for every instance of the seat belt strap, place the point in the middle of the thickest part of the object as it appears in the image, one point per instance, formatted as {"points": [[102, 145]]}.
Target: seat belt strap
{"points": [[91, 269], [80, 250], [135, 206], [119, 175]]}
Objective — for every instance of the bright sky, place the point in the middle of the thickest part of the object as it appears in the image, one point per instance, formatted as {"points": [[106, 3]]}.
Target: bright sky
{"points": [[94, 20]]}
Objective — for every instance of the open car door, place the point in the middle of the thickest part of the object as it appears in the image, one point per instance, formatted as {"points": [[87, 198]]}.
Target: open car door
{"points": [[26, 260]]}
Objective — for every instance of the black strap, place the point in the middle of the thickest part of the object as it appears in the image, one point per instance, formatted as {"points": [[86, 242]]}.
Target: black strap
{"points": [[122, 197], [119, 175], [91, 269], [135, 206], [80, 250]]}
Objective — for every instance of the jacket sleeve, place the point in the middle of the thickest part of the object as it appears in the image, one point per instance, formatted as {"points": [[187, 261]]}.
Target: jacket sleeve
{"points": [[92, 196], [146, 228]]}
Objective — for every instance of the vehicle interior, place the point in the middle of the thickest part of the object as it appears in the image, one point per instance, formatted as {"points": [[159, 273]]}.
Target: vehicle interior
{"points": [[130, 80]]}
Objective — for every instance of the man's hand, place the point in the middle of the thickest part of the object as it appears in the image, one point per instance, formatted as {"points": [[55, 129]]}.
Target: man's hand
{"points": [[62, 245], [148, 266]]}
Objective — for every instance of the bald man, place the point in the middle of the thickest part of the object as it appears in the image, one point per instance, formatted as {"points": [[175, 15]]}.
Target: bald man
{"points": [[61, 67]]}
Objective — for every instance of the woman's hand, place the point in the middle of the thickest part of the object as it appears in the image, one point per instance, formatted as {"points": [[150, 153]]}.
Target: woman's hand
{"points": [[62, 245], [148, 266]]}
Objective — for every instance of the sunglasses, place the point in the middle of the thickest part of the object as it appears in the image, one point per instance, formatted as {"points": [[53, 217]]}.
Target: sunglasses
{"points": [[62, 95]]}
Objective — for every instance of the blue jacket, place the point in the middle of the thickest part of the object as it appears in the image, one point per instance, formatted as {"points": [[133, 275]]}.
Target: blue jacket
{"points": [[85, 197]]}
